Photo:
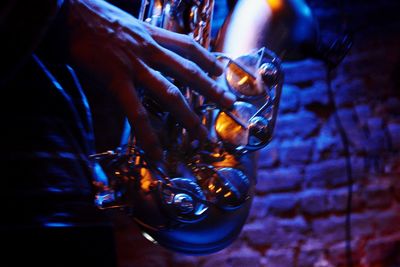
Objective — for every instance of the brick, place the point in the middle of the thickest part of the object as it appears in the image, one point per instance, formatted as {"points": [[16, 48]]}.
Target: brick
{"points": [[358, 141], [327, 146], [146, 259], [329, 230], [381, 109], [308, 258], [349, 91], [323, 173], [261, 232], [338, 253], [347, 117], [289, 99], [328, 127], [310, 253], [338, 199], [358, 168], [375, 124], [378, 195], [326, 142], [259, 208], [240, 261], [388, 222], [282, 179], [301, 124], [277, 233], [383, 249], [368, 72], [310, 70], [377, 140], [295, 152], [269, 156], [333, 172], [315, 95], [279, 257], [314, 202], [332, 229], [394, 133], [323, 262], [281, 203], [181, 260], [377, 144], [357, 138], [392, 105], [234, 255], [216, 260], [363, 112], [244, 257], [354, 132], [362, 224], [361, 65], [296, 224]]}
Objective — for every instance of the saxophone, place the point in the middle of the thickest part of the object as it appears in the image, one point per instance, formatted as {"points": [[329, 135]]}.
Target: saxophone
{"points": [[198, 199]]}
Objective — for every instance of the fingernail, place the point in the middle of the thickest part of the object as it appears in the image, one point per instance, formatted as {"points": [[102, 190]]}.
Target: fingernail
{"points": [[228, 99]]}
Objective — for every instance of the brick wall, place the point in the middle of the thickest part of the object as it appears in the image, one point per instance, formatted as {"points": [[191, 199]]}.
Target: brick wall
{"points": [[299, 213]]}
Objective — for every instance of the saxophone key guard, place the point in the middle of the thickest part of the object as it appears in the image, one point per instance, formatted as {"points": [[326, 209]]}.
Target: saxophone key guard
{"points": [[256, 79], [197, 199]]}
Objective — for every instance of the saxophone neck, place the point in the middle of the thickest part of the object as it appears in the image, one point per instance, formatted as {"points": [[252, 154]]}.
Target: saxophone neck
{"points": [[191, 17]]}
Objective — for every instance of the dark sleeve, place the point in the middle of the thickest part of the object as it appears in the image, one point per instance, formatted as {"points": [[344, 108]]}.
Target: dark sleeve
{"points": [[22, 26], [130, 6]]}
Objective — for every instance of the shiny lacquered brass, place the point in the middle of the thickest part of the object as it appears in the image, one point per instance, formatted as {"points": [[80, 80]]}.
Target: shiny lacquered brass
{"points": [[233, 126], [256, 79], [197, 199]]}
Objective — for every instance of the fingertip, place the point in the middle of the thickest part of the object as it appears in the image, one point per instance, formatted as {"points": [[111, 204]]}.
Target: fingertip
{"points": [[228, 99], [218, 68], [198, 133], [151, 145]]}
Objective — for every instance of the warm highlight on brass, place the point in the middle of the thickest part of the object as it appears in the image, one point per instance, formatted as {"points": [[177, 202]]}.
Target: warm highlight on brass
{"points": [[197, 199]]}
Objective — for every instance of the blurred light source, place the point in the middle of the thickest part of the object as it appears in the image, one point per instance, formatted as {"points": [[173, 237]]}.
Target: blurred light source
{"points": [[287, 27], [275, 4]]}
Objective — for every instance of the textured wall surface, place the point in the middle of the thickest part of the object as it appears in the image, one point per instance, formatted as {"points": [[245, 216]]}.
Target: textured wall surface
{"points": [[298, 217]]}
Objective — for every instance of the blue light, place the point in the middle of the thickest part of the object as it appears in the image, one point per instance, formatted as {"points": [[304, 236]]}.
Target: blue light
{"points": [[57, 224]]}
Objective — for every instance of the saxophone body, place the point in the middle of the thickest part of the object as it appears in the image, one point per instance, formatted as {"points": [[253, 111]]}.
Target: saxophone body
{"points": [[197, 200]]}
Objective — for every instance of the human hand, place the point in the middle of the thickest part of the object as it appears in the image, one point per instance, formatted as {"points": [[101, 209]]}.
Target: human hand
{"points": [[123, 53]]}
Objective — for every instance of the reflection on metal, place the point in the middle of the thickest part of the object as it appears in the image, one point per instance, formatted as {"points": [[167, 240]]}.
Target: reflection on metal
{"points": [[275, 4], [286, 27], [242, 80], [256, 79], [235, 131], [197, 199]]}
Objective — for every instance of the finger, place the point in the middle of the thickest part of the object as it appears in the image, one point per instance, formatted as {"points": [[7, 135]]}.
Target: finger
{"points": [[171, 98], [137, 116], [188, 48], [178, 67], [191, 75]]}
